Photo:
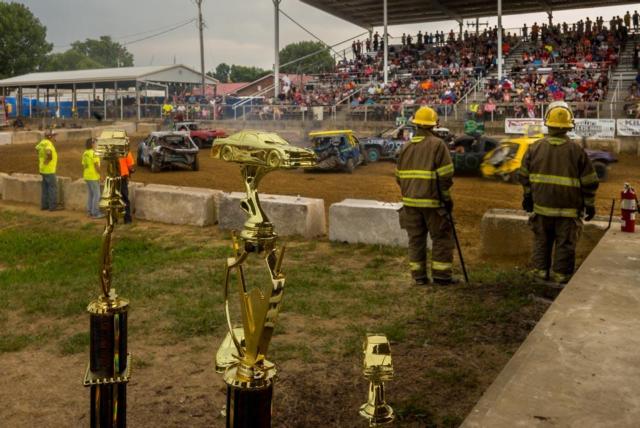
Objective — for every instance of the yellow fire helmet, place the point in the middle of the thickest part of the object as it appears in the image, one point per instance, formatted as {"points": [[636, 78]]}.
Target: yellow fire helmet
{"points": [[559, 115], [426, 117]]}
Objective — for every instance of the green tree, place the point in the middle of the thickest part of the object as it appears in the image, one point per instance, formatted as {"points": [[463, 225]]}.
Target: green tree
{"points": [[105, 51], [237, 73], [70, 60], [221, 72], [319, 63], [241, 73], [23, 40]]}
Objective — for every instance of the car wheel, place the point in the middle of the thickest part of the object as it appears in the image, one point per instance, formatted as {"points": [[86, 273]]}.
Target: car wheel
{"points": [[373, 155], [198, 142], [226, 154], [155, 164], [195, 165], [350, 166], [601, 170], [139, 160], [273, 159]]}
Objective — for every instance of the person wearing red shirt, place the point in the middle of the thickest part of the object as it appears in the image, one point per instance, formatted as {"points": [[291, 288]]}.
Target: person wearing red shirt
{"points": [[126, 169]]}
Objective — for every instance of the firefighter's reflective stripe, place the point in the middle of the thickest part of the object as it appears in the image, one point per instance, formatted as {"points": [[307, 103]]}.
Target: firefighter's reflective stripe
{"points": [[417, 266], [539, 273], [562, 278], [445, 170], [589, 179], [556, 141], [590, 202], [441, 266], [417, 139], [554, 179], [415, 173], [555, 212], [421, 203]]}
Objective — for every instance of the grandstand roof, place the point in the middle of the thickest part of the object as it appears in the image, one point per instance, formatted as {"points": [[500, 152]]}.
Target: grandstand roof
{"points": [[368, 13]]}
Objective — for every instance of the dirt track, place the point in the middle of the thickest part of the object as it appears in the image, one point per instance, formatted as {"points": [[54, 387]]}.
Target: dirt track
{"points": [[472, 195]]}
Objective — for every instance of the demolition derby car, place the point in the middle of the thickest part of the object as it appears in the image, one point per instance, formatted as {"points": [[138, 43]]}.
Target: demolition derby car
{"points": [[162, 150], [337, 150], [203, 138], [262, 149], [387, 145], [506, 159]]}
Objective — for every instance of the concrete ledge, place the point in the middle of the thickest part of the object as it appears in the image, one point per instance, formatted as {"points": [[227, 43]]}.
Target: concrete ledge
{"points": [[73, 134], [367, 222], [176, 205], [75, 195], [27, 188], [290, 215], [506, 233], [580, 366]]}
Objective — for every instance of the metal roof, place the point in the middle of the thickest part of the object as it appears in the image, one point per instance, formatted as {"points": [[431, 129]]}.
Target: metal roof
{"points": [[368, 13], [129, 75]]}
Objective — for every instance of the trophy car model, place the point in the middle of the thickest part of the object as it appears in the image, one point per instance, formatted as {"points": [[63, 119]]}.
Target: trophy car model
{"points": [[203, 138], [261, 148], [506, 159], [337, 150], [165, 149]]}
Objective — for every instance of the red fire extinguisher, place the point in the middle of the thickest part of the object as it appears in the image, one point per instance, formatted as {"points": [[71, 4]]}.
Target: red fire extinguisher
{"points": [[629, 206]]}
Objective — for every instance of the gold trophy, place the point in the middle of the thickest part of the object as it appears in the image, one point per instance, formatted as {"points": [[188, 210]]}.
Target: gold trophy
{"points": [[242, 356], [378, 368], [109, 365]]}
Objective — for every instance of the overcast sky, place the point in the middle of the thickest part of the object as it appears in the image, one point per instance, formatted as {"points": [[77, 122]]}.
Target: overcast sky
{"points": [[238, 31]]}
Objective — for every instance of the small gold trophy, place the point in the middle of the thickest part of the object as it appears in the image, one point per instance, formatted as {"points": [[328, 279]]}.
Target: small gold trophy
{"points": [[109, 365], [242, 356], [378, 368]]}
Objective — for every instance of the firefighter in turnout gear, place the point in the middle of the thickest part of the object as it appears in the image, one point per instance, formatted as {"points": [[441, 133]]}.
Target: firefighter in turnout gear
{"points": [[559, 187], [424, 174]]}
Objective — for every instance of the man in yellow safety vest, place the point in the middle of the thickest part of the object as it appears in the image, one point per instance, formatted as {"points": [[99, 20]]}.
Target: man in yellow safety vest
{"points": [[47, 164]]}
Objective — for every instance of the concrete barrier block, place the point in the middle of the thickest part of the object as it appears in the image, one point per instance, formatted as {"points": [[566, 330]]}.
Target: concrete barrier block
{"points": [[27, 188], [130, 127], [73, 134], [628, 145], [147, 128], [75, 195], [606, 145], [506, 233], [27, 137], [367, 222], [6, 138], [176, 205], [290, 215], [2, 177]]}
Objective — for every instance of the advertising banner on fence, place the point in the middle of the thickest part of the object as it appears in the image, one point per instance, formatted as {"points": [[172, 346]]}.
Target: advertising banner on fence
{"points": [[590, 128], [629, 127], [517, 126], [595, 128]]}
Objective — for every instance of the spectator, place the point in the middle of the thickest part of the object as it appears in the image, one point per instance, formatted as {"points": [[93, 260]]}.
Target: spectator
{"points": [[47, 164], [91, 175]]}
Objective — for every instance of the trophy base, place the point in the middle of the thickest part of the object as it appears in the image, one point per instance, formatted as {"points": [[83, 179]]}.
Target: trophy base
{"points": [[249, 408], [377, 415]]}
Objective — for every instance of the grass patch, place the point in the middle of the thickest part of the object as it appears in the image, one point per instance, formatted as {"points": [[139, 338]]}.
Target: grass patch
{"points": [[14, 342], [75, 344]]}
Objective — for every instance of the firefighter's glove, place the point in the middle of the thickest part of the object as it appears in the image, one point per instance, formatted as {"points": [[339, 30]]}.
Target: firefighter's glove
{"points": [[527, 203], [448, 205], [590, 213]]}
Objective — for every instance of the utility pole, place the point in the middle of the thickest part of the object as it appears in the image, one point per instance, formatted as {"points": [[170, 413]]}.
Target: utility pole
{"points": [[200, 28], [276, 63]]}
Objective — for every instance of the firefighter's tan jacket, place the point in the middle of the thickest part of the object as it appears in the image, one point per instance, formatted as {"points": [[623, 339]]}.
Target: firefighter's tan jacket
{"points": [[425, 171], [558, 174]]}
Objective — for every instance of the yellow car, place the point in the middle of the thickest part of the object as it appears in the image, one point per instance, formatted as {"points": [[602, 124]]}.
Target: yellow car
{"points": [[262, 149], [505, 160]]}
